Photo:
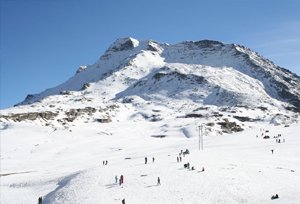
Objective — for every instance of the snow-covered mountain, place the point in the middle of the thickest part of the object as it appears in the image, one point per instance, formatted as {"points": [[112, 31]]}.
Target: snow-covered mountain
{"points": [[149, 99], [204, 71], [186, 78]]}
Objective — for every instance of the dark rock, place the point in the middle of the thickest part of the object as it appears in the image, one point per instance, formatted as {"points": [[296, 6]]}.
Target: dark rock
{"points": [[210, 124], [85, 86], [193, 115], [159, 136], [65, 93], [229, 127], [245, 119], [103, 120]]}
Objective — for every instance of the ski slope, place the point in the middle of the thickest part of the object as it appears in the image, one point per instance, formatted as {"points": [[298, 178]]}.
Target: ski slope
{"points": [[65, 166]]}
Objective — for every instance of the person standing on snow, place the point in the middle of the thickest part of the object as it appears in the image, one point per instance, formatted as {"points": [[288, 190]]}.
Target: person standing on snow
{"points": [[122, 179], [158, 181], [40, 200], [146, 160], [116, 179]]}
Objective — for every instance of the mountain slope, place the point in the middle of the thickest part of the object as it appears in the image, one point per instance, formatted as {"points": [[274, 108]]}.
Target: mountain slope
{"points": [[128, 61]]}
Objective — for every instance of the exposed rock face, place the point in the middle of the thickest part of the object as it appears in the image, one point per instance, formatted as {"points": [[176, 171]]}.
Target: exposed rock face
{"points": [[103, 120], [229, 127], [18, 117], [72, 114], [123, 44]]}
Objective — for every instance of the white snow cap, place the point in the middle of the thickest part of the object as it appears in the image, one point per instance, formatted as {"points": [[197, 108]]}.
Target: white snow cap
{"points": [[122, 44]]}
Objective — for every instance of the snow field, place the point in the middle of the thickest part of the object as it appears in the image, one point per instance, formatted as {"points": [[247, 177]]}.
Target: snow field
{"points": [[66, 167]]}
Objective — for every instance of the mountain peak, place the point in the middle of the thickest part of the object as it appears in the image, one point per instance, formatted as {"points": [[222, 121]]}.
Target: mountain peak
{"points": [[122, 44]]}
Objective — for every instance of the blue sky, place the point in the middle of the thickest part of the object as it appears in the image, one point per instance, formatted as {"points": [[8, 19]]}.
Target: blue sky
{"points": [[43, 42]]}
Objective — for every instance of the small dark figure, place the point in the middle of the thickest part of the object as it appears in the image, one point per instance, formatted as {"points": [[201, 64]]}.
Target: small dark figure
{"points": [[146, 160], [180, 159], [123, 201], [188, 166], [272, 150], [278, 140], [193, 168], [122, 179], [202, 168], [274, 197], [186, 152], [106, 162], [103, 163], [158, 181], [177, 159], [153, 159], [116, 179], [40, 200]]}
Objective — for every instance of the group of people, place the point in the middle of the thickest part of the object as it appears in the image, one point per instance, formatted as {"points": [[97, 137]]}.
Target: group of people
{"points": [[278, 140], [146, 160], [120, 181]]}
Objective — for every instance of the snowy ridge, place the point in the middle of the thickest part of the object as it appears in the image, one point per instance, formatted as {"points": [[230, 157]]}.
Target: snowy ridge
{"points": [[132, 59]]}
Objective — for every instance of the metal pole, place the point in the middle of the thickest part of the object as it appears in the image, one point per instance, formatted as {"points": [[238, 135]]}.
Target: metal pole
{"points": [[199, 138], [202, 137]]}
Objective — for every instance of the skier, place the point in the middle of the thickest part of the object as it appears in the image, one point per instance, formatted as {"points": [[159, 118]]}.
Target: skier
{"points": [[177, 159], [180, 159], [158, 181], [153, 159], [116, 179], [272, 150], [146, 160], [202, 168], [40, 200], [106, 162], [123, 201]]}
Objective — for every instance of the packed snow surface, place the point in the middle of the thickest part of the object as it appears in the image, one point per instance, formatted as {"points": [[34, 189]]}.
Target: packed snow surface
{"points": [[67, 166]]}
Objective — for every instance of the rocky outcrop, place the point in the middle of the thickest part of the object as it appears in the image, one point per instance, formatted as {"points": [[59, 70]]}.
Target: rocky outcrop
{"points": [[72, 114], [19, 117], [229, 127]]}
